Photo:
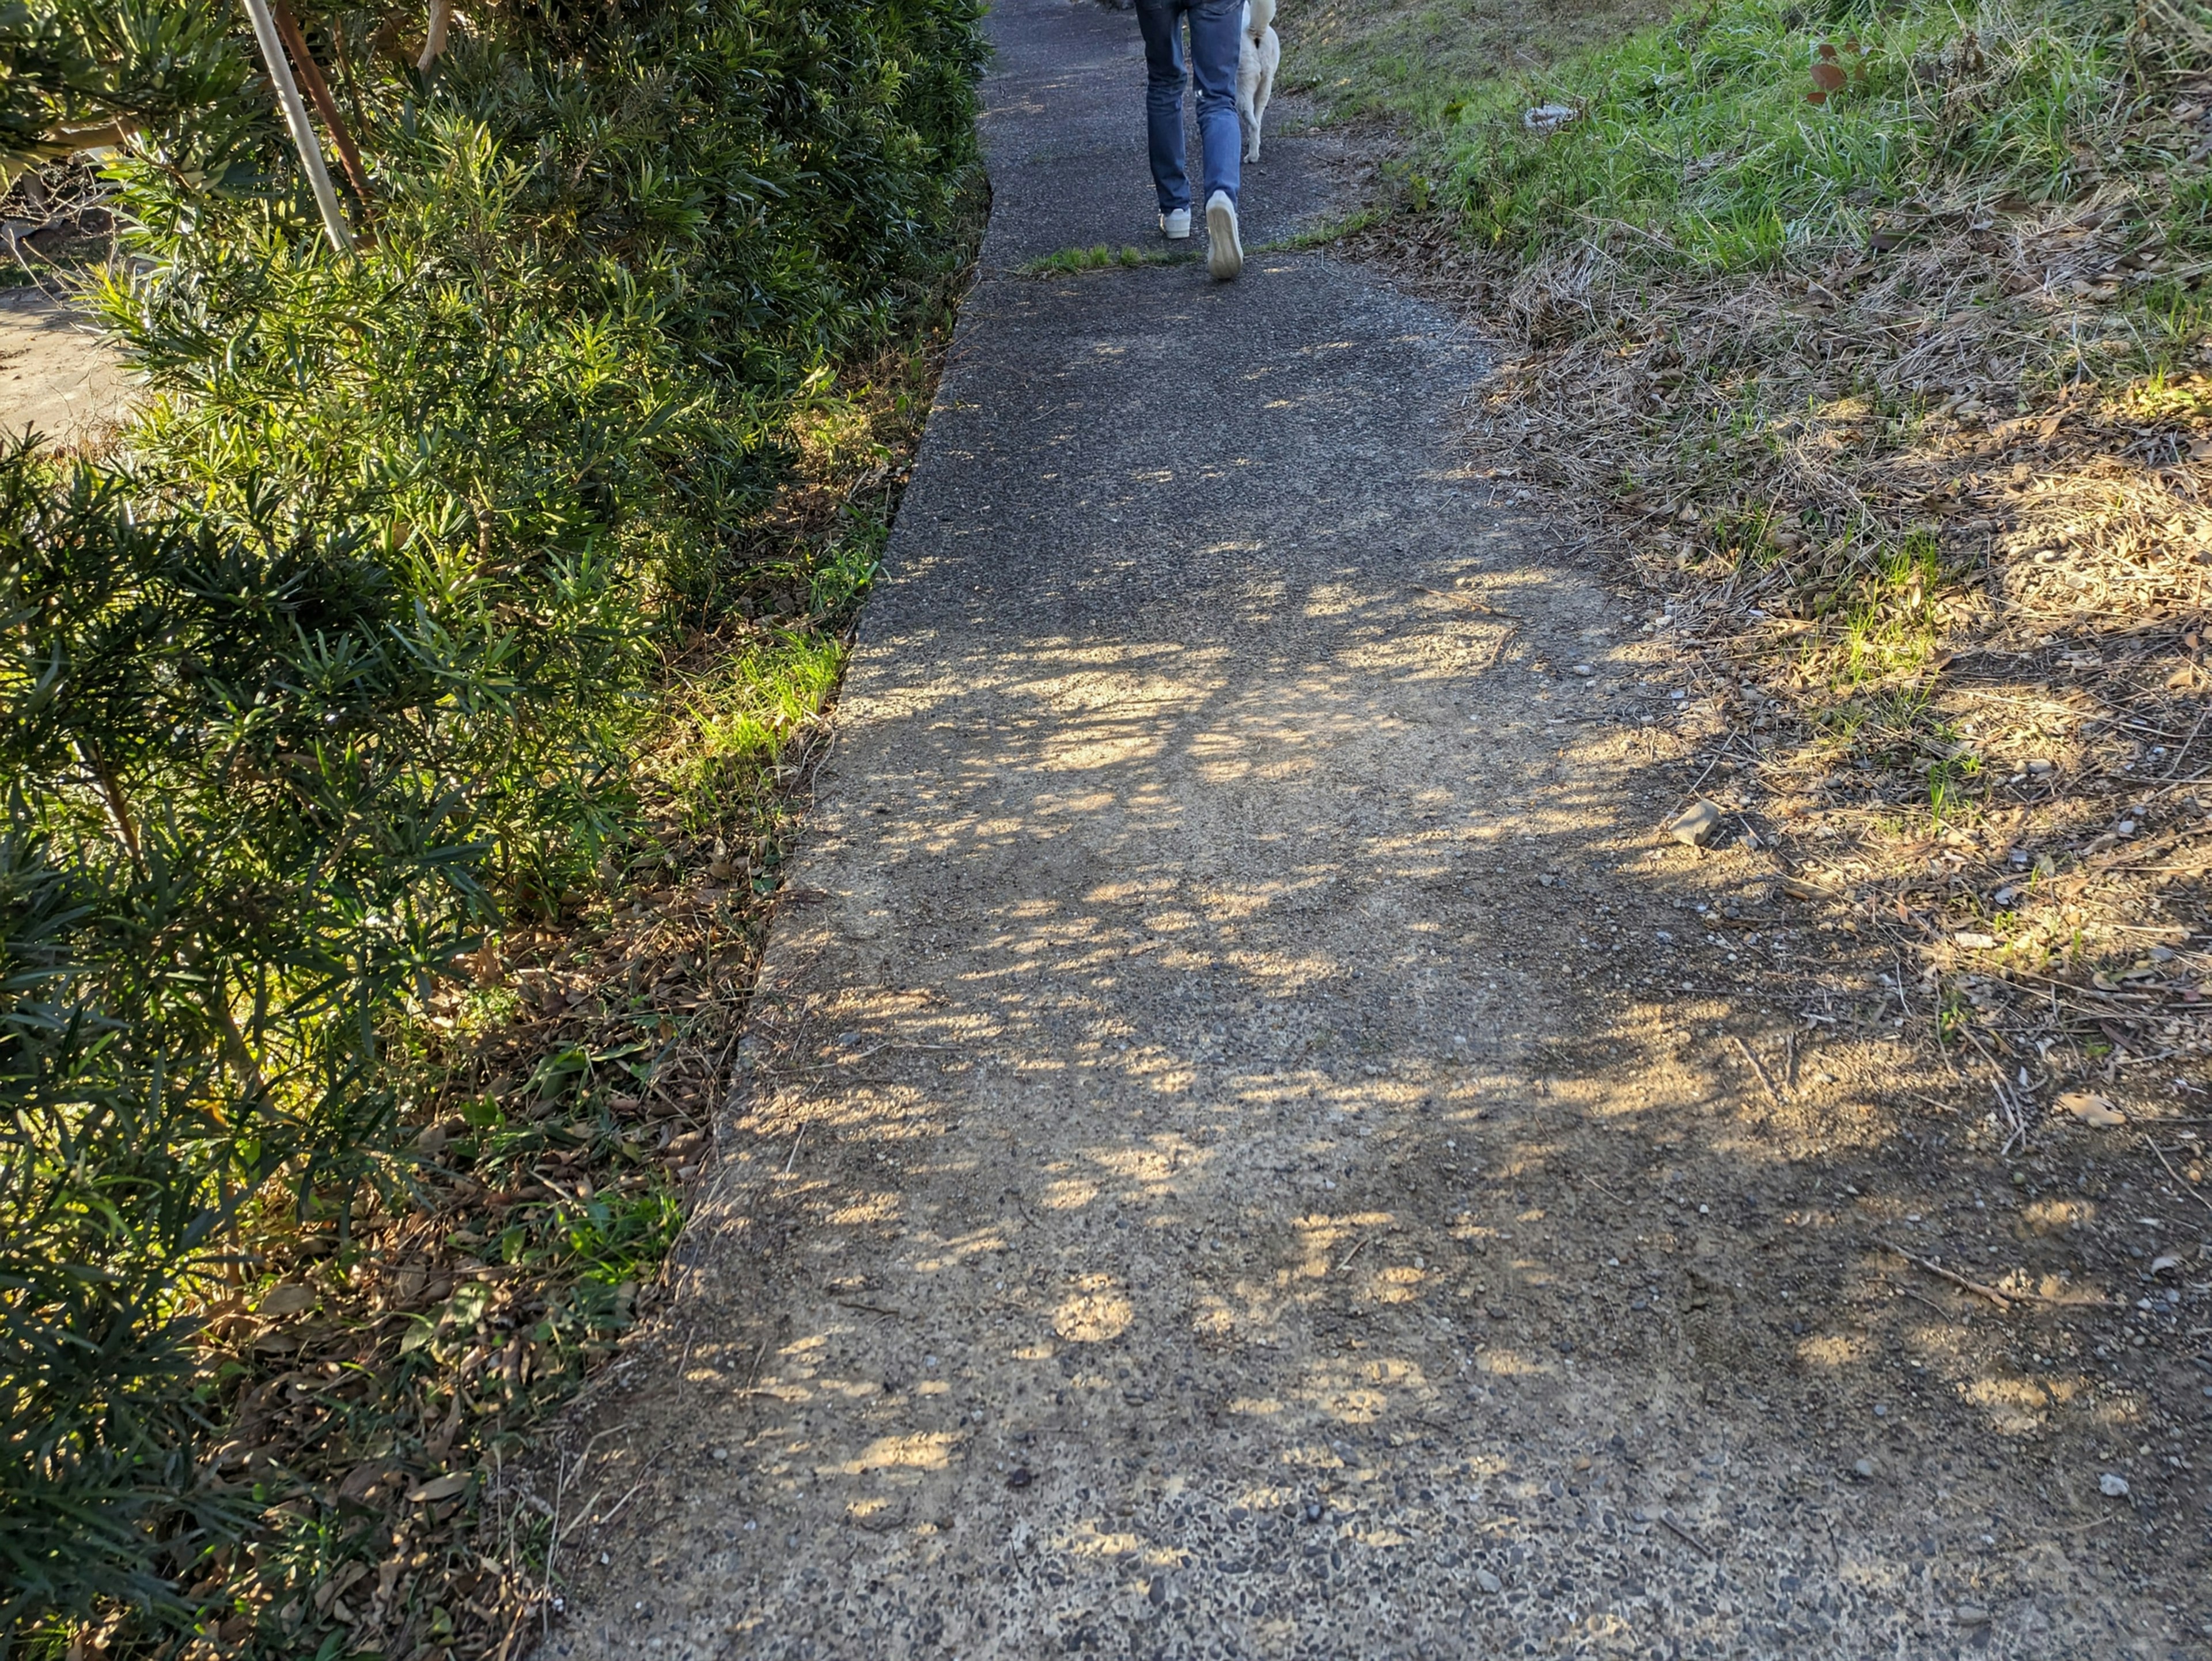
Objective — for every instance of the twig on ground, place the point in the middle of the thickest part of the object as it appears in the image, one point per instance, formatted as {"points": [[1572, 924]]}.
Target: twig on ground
{"points": [[1498, 655], [1760, 1070], [562, 1474], [2189, 1187], [616, 1508], [2002, 1299], [752, 1380], [1922, 1298]]}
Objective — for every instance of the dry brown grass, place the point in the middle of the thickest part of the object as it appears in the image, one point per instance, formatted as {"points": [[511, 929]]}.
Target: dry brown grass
{"points": [[1942, 541]]}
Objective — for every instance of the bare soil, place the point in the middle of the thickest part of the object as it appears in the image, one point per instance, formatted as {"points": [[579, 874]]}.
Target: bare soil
{"points": [[56, 376]]}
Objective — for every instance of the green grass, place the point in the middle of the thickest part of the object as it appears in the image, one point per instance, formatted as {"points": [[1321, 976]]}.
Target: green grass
{"points": [[1071, 262], [1696, 141], [735, 722], [1408, 62]]}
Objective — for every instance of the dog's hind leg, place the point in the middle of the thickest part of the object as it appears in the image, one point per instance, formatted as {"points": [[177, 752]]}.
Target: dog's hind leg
{"points": [[1263, 88], [1247, 77]]}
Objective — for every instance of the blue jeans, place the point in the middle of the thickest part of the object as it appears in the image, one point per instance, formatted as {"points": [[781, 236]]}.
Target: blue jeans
{"points": [[1214, 26]]}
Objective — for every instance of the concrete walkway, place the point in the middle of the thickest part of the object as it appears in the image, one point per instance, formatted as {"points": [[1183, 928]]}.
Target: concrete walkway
{"points": [[1242, 1149]]}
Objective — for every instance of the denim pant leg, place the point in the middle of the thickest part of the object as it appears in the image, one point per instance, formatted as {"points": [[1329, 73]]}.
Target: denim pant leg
{"points": [[1215, 26], [1161, 23]]}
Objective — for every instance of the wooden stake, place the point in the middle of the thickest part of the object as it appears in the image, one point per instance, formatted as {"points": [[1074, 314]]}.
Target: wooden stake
{"points": [[434, 38]]}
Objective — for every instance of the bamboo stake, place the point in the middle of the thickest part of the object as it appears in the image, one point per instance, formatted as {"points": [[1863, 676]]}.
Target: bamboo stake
{"points": [[296, 117], [311, 75]]}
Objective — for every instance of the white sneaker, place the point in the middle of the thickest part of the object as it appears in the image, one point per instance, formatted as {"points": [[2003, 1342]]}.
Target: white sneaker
{"points": [[1176, 225], [1224, 253]]}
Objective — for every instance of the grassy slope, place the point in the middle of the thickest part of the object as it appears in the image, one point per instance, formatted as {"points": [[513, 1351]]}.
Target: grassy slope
{"points": [[1406, 62], [1899, 392]]}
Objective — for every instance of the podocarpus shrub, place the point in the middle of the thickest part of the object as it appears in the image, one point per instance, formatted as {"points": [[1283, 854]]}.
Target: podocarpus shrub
{"points": [[337, 658]]}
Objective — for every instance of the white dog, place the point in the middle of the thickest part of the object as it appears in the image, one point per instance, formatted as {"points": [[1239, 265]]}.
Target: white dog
{"points": [[1259, 51]]}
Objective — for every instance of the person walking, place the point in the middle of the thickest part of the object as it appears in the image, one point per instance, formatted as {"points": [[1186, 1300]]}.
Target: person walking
{"points": [[1214, 27]]}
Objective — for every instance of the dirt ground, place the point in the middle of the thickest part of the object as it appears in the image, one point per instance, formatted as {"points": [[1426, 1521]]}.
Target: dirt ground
{"points": [[1254, 1141], [55, 376]]}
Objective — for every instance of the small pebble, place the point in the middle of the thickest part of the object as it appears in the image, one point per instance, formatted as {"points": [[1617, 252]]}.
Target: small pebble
{"points": [[1970, 1614], [1864, 1467], [1488, 1581], [2113, 1485]]}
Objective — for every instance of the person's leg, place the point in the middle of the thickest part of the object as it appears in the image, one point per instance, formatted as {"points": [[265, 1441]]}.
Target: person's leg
{"points": [[1215, 37], [1161, 23], [1214, 32]]}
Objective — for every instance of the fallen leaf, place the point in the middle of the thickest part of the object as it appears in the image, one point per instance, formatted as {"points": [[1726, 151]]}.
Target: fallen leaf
{"points": [[2092, 1111], [1974, 941], [443, 1488], [363, 1481], [287, 1299]]}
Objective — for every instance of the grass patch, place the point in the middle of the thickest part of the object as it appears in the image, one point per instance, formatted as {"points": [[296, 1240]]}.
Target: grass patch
{"points": [[1413, 64], [1700, 137], [1072, 262]]}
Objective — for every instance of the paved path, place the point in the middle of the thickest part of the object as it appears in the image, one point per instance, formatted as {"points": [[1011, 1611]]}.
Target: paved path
{"points": [[1227, 1165]]}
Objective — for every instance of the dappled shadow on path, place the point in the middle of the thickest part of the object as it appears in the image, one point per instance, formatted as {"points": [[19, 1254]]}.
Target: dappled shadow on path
{"points": [[1239, 1097]]}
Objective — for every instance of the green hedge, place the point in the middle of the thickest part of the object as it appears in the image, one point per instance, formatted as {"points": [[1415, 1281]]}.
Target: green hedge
{"points": [[339, 657]]}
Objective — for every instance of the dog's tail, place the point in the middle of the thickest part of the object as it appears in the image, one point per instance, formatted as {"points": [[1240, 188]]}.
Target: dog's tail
{"points": [[1259, 16]]}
